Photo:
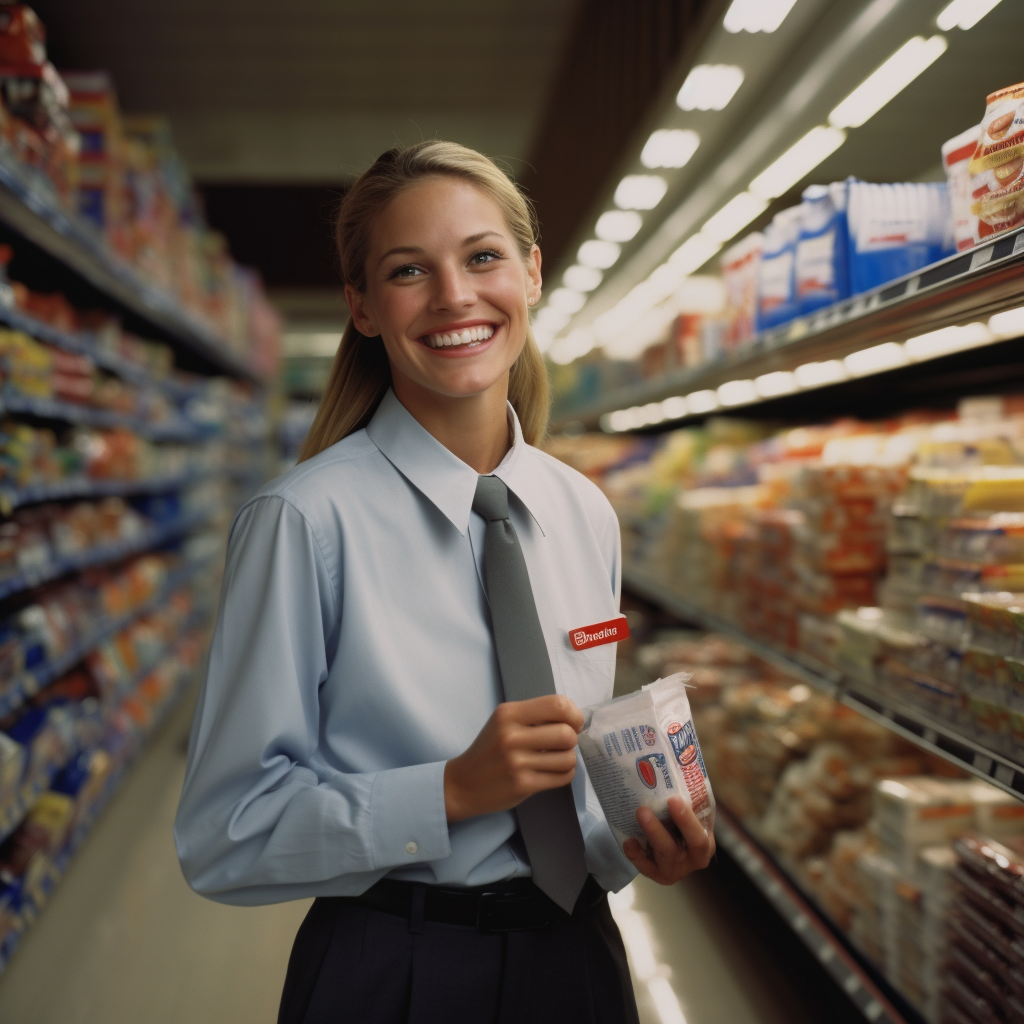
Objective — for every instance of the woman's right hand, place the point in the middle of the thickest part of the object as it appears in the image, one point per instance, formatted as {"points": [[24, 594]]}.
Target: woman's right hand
{"points": [[525, 747]]}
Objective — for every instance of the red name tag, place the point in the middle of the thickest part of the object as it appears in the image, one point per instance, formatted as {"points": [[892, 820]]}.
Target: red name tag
{"points": [[609, 632]]}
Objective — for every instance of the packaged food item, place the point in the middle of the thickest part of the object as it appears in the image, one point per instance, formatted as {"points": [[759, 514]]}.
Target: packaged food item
{"points": [[956, 159], [776, 291], [22, 35], [741, 267], [895, 229], [822, 257], [997, 166], [642, 749]]}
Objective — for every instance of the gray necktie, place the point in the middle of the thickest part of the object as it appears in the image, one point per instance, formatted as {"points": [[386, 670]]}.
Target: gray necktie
{"points": [[547, 820]]}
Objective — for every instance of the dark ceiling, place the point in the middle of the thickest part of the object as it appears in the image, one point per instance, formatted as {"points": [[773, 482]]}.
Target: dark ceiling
{"points": [[276, 107]]}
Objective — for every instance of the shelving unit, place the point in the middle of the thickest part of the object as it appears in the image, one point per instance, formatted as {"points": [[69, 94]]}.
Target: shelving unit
{"points": [[65, 247], [912, 724], [812, 928], [960, 289]]}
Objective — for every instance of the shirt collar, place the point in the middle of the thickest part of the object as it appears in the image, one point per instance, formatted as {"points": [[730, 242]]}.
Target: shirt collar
{"points": [[442, 477]]}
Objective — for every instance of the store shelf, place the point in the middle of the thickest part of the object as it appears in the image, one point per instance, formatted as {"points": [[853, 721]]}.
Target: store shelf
{"points": [[102, 554], [969, 286], [30, 682], [32, 904], [29, 206], [72, 412], [82, 487], [805, 921], [912, 724]]}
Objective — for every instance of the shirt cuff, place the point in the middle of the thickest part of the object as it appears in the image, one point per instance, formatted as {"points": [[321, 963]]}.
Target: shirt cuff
{"points": [[407, 816]]}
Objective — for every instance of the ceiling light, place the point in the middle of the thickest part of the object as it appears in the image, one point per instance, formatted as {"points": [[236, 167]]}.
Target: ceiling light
{"points": [[947, 340], [614, 422], [815, 375], [709, 87], [600, 255], [575, 344], [652, 413], [891, 78], [1009, 324], [782, 382], [698, 402], [797, 162], [887, 356], [964, 14], [737, 392], [566, 300], [618, 225], [675, 408], [640, 191], [694, 253], [732, 218], [582, 279], [757, 15], [702, 293], [669, 147], [551, 319]]}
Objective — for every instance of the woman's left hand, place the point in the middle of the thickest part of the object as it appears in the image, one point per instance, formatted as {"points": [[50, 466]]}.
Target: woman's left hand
{"points": [[672, 859]]}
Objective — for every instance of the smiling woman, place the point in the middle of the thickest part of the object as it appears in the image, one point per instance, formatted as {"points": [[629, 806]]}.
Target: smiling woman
{"points": [[390, 714]]}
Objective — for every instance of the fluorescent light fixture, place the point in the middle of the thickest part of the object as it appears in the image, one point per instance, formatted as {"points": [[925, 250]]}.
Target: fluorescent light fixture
{"points": [[640, 191], [698, 402], [781, 382], [797, 162], [652, 413], [675, 408], [964, 14], [887, 356], [582, 279], [757, 15], [618, 225], [709, 87], [737, 392], [566, 300], [609, 422], [669, 147], [694, 253], [732, 218], [948, 339], [1009, 324], [816, 375], [666, 1002], [890, 79], [575, 344], [597, 254]]}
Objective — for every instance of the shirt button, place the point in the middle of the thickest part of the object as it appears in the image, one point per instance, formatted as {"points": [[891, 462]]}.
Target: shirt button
{"points": [[411, 848]]}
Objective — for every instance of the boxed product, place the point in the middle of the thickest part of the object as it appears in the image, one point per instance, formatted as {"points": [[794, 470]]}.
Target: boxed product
{"points": [[642, 749], [741, 265], [895, 229], [956, 159], [822, 258], [776, 291]]}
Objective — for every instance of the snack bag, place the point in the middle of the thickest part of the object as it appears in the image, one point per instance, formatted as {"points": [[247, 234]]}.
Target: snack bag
{"points": [[640, 750], [997, 167]]}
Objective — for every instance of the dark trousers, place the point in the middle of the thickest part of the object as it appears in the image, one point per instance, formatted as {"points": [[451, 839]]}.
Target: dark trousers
{"points": [[354, 965]]}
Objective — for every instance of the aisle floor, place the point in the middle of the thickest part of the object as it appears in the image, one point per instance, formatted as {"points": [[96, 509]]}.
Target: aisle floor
{"points": [[124, 941]]}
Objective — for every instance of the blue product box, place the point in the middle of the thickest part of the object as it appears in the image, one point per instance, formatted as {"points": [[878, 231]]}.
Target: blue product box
{"points": [[822, 251]]}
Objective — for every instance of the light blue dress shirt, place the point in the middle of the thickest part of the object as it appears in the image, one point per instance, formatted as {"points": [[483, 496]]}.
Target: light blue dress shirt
{"points": [[353, 657]]}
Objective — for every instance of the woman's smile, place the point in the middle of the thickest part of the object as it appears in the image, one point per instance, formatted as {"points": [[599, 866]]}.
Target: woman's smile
{"points": [[469, 337]]}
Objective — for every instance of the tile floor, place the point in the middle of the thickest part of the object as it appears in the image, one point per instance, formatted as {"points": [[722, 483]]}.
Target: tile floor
{"points": [[124, 941]]}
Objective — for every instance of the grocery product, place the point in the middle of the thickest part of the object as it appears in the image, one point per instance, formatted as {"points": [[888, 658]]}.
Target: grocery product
{"points": [[640, 750], [956, 158], [776, 287], [997, 166], [741, 270], [822, 259]]}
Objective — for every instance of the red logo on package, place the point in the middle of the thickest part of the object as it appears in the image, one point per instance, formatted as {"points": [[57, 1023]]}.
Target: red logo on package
{"points": [[609, 632]]}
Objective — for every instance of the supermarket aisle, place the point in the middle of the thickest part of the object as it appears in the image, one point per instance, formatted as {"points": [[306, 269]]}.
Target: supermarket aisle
{"points": [[125, 941]]}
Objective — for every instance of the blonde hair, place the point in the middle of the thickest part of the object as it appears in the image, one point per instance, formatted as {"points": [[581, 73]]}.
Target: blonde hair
{"points": [[361, 374]]}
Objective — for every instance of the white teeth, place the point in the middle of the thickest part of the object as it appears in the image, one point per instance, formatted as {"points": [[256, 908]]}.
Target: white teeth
{"points": [[469, 336]]}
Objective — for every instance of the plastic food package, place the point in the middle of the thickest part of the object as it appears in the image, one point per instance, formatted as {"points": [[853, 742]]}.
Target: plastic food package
{"points": [[997, 166], [640, 750], [956, 159], [822, 270], [895, 229]]}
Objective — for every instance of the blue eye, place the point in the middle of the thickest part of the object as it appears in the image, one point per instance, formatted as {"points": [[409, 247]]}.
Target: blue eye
{"points": [[484, 256]]}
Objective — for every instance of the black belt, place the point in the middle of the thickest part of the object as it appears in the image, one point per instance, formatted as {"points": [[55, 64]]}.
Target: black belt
{"points": [[512, 906]]}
